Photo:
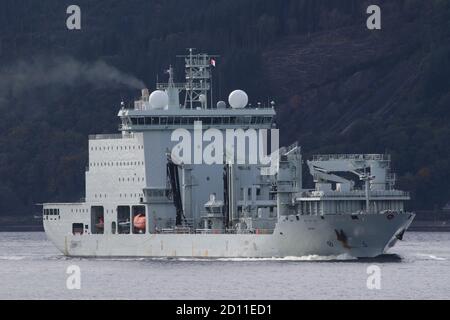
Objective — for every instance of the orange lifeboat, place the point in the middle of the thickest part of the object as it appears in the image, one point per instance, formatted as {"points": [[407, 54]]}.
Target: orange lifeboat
{"points": [[139, 221], [100, 223]]}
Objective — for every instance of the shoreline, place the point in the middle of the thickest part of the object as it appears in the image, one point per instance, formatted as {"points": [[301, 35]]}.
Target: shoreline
{"points": [[22, 228]]}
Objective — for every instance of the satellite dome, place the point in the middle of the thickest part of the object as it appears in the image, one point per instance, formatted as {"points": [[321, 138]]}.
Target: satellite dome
{"points": [[221, 105], [238, 99], [158, 99]]}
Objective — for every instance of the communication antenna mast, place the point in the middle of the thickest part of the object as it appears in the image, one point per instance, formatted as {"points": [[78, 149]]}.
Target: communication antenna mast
{"points": [[198, 76]]}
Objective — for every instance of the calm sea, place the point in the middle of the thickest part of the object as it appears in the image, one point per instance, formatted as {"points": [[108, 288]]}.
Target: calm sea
{"points": [[418, 267]]}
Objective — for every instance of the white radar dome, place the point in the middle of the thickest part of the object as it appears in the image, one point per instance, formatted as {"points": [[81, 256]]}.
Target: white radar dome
{"points": [[158, 99], [238, 99], [221, 105]]}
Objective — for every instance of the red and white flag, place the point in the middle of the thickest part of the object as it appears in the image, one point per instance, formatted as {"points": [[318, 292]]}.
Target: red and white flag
{"points": [[213, 62]]}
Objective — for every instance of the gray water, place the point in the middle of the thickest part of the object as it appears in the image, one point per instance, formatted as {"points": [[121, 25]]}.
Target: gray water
{"points": [[417, 268]]}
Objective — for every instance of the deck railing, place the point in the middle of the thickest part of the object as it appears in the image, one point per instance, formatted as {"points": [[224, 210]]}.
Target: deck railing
{"points": [[188, 230], [327, 157]]}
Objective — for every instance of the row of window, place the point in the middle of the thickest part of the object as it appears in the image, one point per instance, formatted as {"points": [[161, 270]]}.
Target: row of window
{"points": [[55, 212], [87, 210], [242, 120], [116, 163], [111, 148], [157, 193], [135, 195], [131, 179], [132, 195], [51, 212], [79, 210]]}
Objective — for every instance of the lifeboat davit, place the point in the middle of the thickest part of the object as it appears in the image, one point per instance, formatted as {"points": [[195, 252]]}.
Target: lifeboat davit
{"points": [[139, 221]]}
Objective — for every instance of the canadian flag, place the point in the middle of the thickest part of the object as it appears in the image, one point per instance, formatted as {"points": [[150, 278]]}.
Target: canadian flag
{"points": [[213, 62]]}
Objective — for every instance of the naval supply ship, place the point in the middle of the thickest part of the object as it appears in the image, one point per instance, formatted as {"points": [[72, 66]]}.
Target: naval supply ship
{"points": [[168, 186]]}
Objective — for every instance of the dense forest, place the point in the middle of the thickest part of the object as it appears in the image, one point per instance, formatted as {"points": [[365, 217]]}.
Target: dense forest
{"points": [[339, 87]]}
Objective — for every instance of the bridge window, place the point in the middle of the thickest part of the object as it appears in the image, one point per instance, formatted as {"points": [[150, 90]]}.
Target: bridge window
{"points": [[155, 120]]}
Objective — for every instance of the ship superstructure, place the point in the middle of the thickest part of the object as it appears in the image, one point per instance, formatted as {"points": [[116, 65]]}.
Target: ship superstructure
{"points": [[146, 195]]}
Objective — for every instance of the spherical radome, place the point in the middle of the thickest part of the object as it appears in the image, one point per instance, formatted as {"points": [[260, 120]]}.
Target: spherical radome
{"points": [[238, 99], [221, 105], [158, 99]]}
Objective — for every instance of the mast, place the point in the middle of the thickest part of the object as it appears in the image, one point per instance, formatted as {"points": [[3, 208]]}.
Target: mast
{"points": [[198, 77]]}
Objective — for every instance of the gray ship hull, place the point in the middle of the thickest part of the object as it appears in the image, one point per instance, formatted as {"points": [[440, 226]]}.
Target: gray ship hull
{"points": [[364, 235]]}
